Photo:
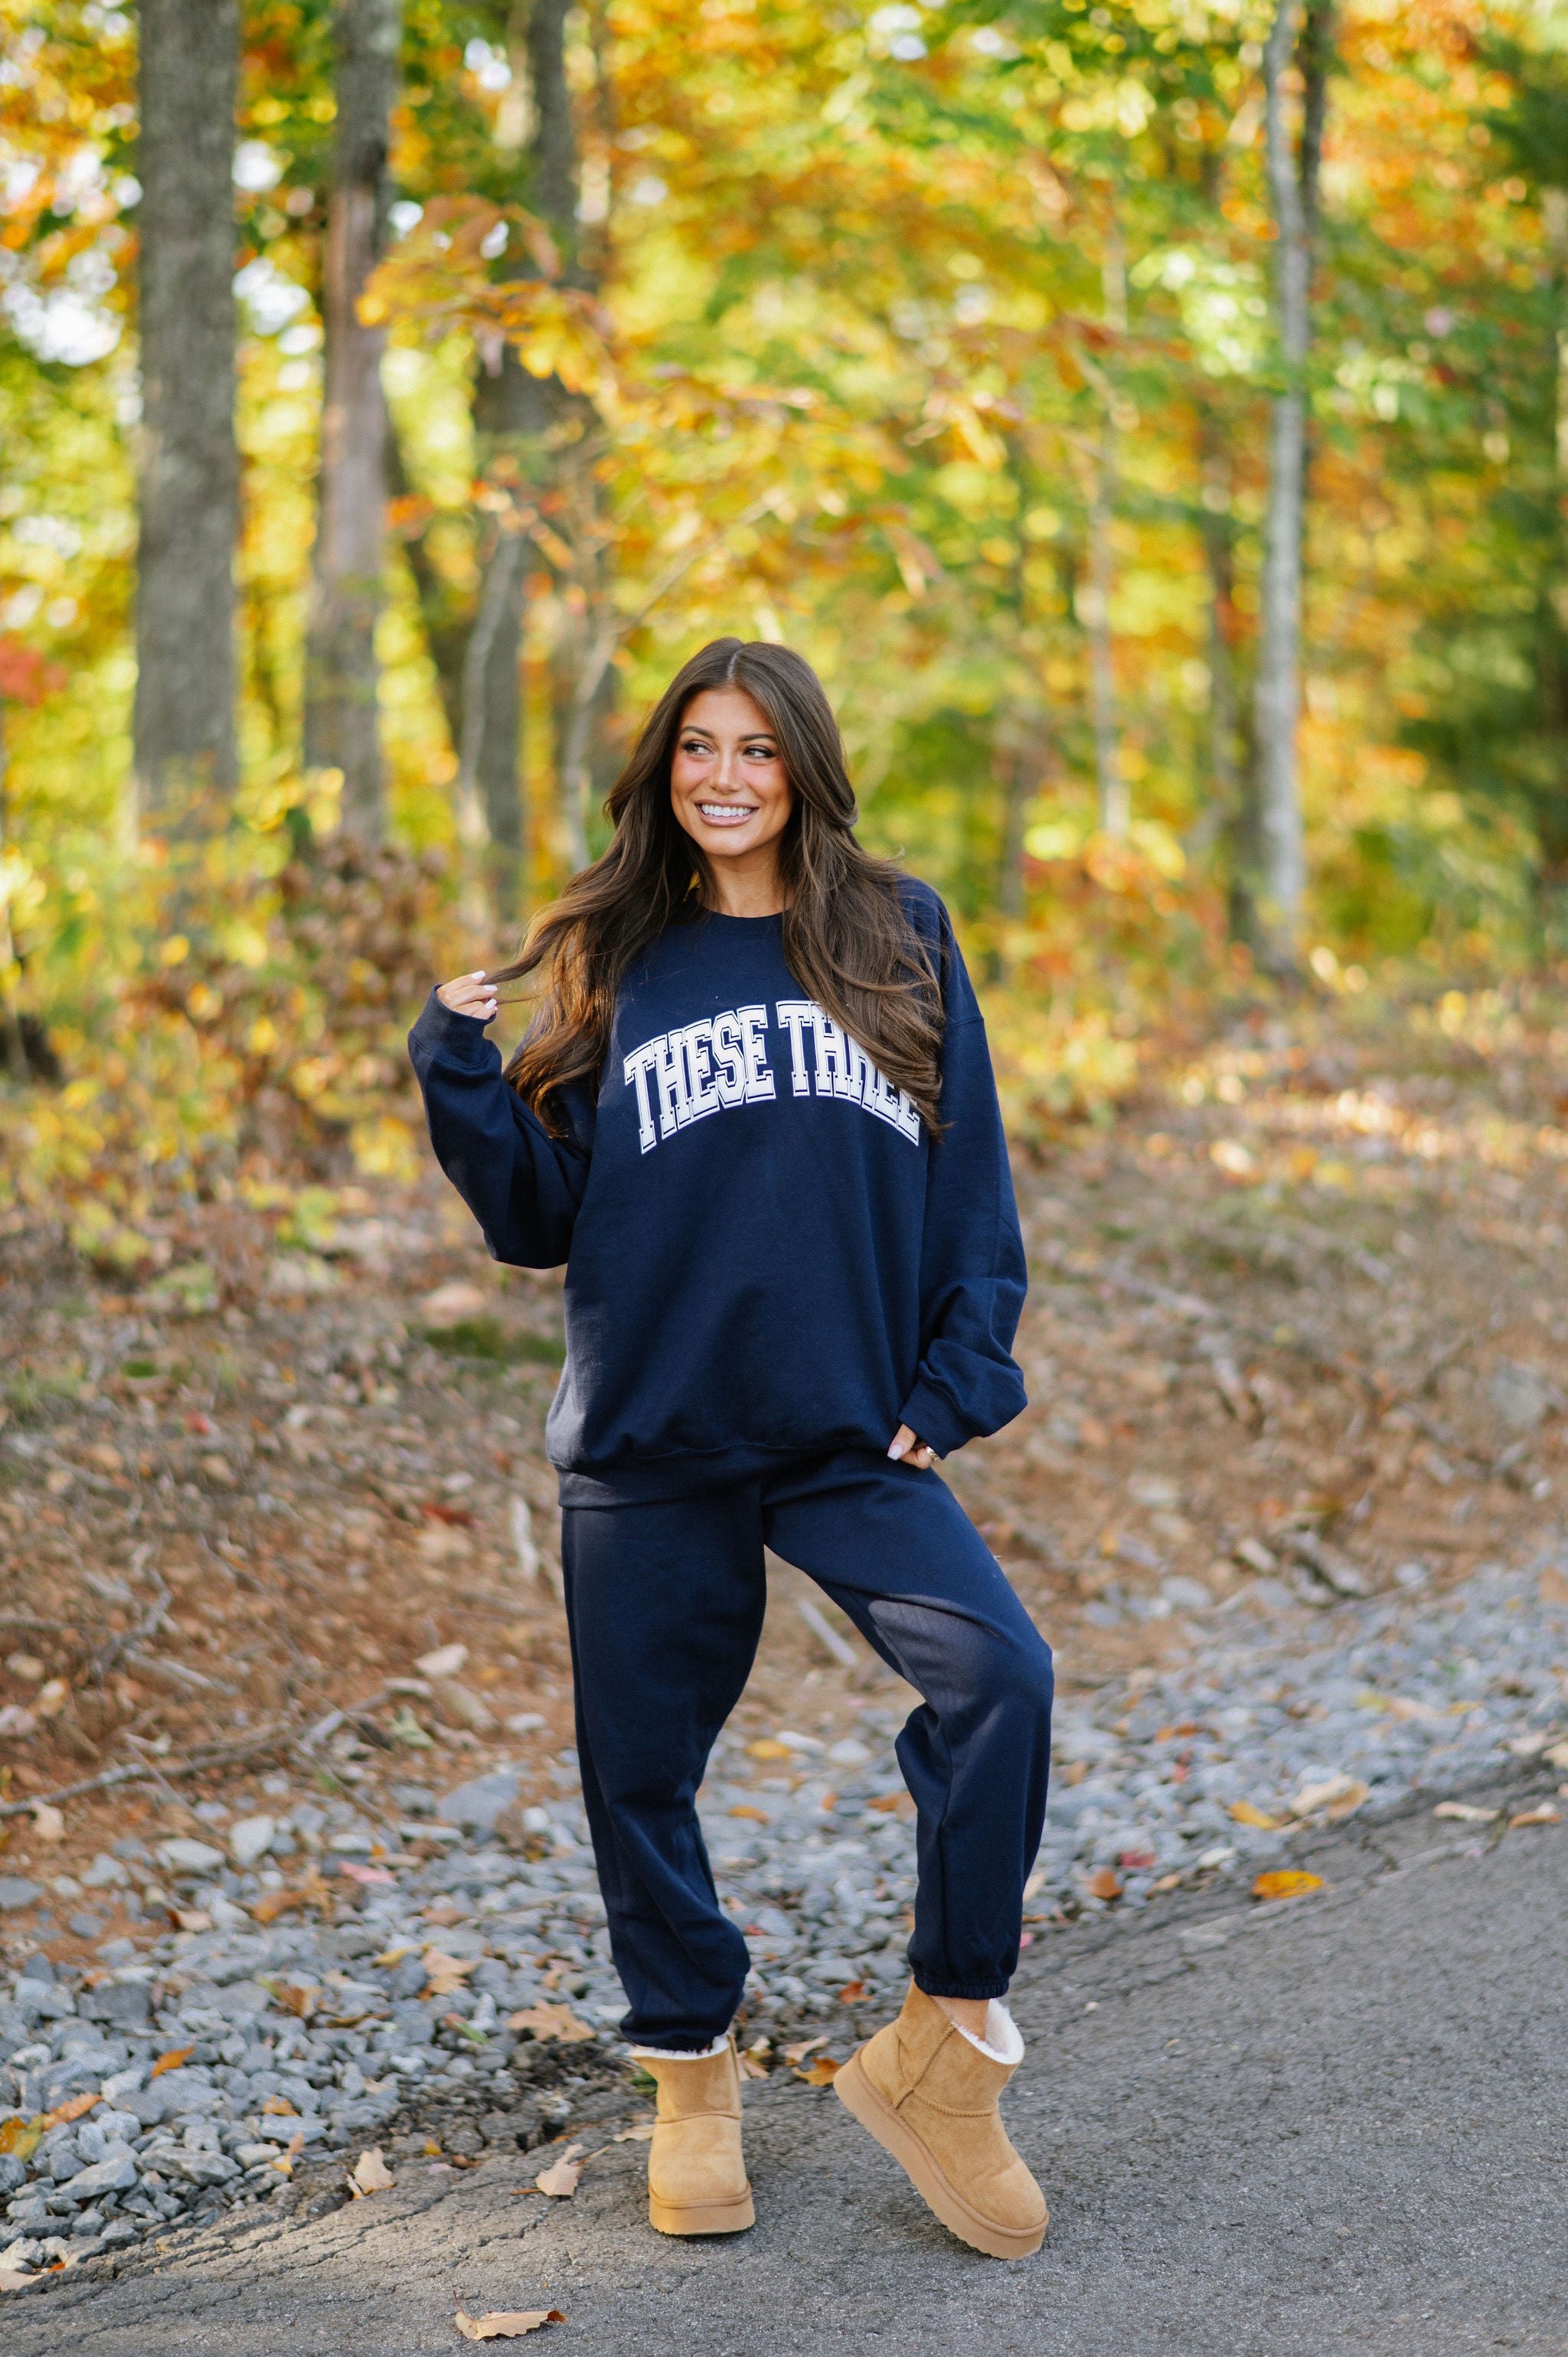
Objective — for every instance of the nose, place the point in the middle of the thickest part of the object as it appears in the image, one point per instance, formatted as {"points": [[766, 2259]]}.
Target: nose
{"points": [[726, 776]]}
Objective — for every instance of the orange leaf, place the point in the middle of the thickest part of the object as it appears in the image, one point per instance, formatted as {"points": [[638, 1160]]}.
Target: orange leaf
{"points": [[74, 2108], [822, 2073], [745, 1809], [1288, 1883], [1105, 1883], [280, 2109], [1245, 1813], [886, 1804], [274, 1903], [852, 1992], [21, 2137], [1544, 1815], [171, 2061], [506, 2324]]}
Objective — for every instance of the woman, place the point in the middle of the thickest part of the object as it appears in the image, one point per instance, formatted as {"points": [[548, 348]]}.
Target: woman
{"points": [[754, 1116]]}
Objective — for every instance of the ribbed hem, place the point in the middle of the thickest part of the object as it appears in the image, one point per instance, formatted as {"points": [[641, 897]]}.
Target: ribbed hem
{"points": [[681, 2054], [972, 1991]]}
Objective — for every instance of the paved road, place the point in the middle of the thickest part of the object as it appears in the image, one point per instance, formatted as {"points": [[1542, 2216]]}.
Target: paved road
{"points": [[1331, 2126]]}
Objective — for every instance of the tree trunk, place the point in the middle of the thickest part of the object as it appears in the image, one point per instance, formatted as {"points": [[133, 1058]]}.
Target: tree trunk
{"points": [[13, 1046], [1115, 808], [513, 413], [1224, 811], [183, 725], [341, 679], [1293, 186]]}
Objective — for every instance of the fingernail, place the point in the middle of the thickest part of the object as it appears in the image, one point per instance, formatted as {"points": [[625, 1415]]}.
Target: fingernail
{"points": [[895, 1449]]}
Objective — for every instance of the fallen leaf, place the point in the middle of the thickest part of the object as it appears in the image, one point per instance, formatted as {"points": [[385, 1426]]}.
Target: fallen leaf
{"points": [[298, 1998], [171, 2061], [278, 2107], [48, 1823], [1104, 1884], [445, 1662], [852, 1992], [750, 2070], [21, 2137], [1289, 1883], [274, 1903], [444, 1974], [745, 1809], [369, 2173], [639, 2132], [765, 1748], [560, 2179], [1135, 1861], [550, 2021], [507, 2324], [75, 2107], [193, 1918], [1544, 1815], [822, 2073], [1340, 1795], [799, 2052], [1245, 1813], [886, 1804], [395, 1955], [1464, 1814]]}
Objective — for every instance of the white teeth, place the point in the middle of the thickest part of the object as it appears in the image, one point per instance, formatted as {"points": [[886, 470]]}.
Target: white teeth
{"points": [[728, 813]]}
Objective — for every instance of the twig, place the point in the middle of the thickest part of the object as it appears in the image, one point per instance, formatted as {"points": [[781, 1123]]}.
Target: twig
{"points": [[127, 1639], [193, 1763], [155, 1664], [31, 1620]]}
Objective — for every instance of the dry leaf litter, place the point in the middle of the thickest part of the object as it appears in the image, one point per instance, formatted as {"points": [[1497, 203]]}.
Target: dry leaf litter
{"points": [[280, 1544]]}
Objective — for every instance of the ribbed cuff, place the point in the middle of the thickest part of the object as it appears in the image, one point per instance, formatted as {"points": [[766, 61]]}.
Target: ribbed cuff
{"points": [[929, 1413], [971, 1991]]}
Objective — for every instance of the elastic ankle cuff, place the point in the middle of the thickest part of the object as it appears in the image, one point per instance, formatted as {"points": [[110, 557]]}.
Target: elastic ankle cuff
{"points": [[682, 2053], [1001, 2041]]}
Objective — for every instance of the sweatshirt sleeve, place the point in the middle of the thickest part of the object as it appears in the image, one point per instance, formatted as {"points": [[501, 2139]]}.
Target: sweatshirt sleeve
{"points": [[522, 1186], [972, 1271]]}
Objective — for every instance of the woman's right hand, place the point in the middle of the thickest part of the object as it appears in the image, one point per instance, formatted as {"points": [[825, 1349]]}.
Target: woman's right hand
{"points": [[470, 993]]}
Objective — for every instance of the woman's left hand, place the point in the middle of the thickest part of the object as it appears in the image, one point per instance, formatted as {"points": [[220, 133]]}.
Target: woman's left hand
{"points": [[907, 1449]]}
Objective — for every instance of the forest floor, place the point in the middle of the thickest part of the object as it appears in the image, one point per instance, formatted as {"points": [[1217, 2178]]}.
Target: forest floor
{"points": [[277, 1523], [1295, 1329]]}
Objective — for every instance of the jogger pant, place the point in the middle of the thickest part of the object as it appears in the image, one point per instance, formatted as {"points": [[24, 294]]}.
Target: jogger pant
{"points": [[665, 1604]]}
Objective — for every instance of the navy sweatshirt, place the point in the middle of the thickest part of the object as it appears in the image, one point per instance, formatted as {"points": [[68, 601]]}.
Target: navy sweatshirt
{"points": [[766, 1254]]}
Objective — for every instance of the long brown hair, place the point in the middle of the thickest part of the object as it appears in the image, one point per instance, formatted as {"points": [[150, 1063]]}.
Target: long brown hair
{"points": [[847, 939]]}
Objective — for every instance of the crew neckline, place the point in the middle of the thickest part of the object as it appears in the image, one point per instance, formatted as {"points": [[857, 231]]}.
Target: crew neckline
{"points": [[721, 916]]}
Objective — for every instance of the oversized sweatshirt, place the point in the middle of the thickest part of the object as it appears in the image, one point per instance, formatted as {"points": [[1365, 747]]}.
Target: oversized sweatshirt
{"points": [[767, 1255]]}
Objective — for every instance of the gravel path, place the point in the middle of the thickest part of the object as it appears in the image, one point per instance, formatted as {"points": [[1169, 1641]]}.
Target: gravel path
{"points": [[470, 1999], [1261, 2137]]}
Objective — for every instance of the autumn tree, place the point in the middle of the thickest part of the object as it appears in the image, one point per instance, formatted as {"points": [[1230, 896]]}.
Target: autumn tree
{"points": [[184, 720], [341, 725]]}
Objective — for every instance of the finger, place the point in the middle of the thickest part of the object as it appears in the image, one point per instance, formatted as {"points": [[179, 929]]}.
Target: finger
{"points": [[901, 1442]]}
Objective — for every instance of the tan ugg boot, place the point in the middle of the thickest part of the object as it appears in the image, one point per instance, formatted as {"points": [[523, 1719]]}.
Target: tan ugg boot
{"points": [[696, 2171], [928, 2095]]}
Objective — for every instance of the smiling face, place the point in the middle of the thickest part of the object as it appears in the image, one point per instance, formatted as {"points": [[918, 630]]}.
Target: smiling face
{"points": [[730, 793]]}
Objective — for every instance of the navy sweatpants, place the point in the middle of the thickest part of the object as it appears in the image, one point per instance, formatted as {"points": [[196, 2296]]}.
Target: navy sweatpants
{"points": [[665, 1603]]}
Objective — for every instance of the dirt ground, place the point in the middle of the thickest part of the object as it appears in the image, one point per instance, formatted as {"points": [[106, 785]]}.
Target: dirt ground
{"points": [[1294, 1322]]}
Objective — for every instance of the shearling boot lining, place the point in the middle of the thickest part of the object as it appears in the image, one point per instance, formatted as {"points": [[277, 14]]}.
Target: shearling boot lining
{"points": [[1002, 2040], [703, 2054]]}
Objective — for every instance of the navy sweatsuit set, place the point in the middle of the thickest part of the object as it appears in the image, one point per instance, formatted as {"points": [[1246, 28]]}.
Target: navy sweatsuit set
{"points": [[771, 1265]]}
